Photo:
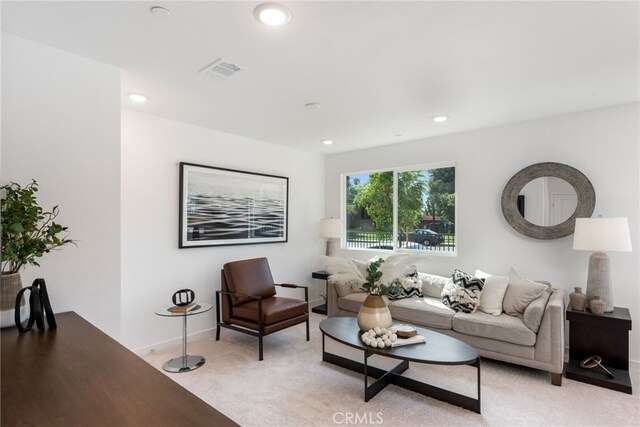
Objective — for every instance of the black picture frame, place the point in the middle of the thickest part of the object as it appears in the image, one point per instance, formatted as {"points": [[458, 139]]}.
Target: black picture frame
{"points": [[223, 207]]}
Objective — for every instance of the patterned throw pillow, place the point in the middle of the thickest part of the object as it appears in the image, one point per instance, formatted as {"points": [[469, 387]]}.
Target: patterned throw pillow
{"points": [[411, 287], [463, 292]]}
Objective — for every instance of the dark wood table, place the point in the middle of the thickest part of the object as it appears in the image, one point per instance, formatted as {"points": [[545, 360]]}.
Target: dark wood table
{"points": [[604, 335], [76, 375], [321, 275], [439, 349]]}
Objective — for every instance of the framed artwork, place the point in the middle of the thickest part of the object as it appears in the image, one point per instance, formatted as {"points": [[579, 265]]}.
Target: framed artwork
{"points": [[220, 207]]}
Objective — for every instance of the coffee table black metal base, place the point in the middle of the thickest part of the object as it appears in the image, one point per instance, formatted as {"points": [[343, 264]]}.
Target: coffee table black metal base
{"points": [[394, 376]]}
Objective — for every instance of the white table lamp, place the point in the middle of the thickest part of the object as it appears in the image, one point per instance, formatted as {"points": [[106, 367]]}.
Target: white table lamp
{"points": [[330, 229], [601, 235]]}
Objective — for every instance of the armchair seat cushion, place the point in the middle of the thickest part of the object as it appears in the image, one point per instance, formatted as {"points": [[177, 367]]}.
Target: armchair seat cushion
{"points": [[274, 310]]}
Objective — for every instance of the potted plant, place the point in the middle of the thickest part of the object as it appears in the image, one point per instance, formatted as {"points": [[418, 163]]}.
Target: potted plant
{"points": [[28, 232], [374, 311]]}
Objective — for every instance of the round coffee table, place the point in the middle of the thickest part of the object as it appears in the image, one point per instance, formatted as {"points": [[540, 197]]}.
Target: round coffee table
{"points": [[439, 349], [184, 363]]}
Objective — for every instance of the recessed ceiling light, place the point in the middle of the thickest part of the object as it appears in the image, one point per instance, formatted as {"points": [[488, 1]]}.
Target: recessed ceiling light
{"points": [[327, 141], [136, 97], [313, 105], [272, 14], [160, 11], [440, 119]]}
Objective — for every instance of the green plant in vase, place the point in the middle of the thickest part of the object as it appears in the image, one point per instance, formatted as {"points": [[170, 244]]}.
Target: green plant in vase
{"points": [[373, 285], [28, 233], [374, 311]]}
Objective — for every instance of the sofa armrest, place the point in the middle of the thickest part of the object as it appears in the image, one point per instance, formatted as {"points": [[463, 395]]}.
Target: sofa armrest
{"points": [[550, 339], [332, 300]]}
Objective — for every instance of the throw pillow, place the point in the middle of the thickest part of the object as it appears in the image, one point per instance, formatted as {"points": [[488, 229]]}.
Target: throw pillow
{"points": [[520, 293], [463, 292], [346, 283], [335, 265], [411, 287], [396, 267], [495, 287], [433, 285], [533, 313], [361, 266], [344, 274]]}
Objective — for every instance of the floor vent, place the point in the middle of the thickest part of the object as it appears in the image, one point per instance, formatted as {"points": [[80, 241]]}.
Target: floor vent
{"points": [[221, 69]]}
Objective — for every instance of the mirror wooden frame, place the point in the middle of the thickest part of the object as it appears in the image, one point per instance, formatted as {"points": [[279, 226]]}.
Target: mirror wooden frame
{"points": [[584, 190]]}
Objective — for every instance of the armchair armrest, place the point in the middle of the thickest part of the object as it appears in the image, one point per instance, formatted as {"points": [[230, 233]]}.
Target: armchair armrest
{"points": [[289, 285]]}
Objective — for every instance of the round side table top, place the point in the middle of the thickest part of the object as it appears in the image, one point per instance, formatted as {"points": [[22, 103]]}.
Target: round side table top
{"points": [[200, 308]]}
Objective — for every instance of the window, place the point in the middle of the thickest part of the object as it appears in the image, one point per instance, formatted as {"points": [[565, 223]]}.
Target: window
{"points": [[412, 209]]}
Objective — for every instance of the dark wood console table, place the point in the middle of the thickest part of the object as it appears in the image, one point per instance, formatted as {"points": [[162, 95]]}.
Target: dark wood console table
{"points": [[77, 375], [322, 275], [606, 336]]}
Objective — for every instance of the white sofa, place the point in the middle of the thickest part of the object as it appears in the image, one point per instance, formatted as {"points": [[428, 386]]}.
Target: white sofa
{"points": [[503, 337]]}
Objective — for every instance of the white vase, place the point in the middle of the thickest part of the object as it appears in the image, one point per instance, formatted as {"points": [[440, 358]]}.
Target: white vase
{"points": [[374, 313], [11, 285]]}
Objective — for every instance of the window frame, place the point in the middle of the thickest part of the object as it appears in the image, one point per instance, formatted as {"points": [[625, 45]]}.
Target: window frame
{"points": [[396, 171]]}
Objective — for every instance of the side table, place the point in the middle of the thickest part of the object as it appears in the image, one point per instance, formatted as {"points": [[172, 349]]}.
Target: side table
{"points": [[322, 275], [606, 336], [184, 363]]}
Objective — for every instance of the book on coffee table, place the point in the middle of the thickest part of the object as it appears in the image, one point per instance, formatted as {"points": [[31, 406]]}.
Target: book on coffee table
{"points": [[416, 339]]}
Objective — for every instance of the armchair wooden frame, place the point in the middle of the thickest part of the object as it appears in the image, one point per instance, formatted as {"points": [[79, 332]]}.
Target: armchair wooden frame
{"points": [[259, 332]]}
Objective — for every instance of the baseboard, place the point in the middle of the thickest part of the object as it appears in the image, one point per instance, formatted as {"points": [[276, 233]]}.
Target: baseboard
{"points": [[195, 336], [318, 301], [173, 342]]}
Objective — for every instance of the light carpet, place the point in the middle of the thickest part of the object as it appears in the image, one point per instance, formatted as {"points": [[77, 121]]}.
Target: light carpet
{"points": [[293, 387]]}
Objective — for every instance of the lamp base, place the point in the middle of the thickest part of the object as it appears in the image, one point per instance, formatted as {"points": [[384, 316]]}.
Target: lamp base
{"points": [[599, 280], [331, 246]]}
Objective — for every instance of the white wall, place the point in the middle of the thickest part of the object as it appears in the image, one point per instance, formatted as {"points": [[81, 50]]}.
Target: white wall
{"points": [[152, 265], [603, 144], [61, 126]]}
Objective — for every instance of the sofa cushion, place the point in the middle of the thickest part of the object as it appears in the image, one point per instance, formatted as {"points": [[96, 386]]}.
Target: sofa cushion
{"points": [[520, 293], [534, 312], [352, 302], [463, 292], [433, 285], [429, 312], [503, 328]]}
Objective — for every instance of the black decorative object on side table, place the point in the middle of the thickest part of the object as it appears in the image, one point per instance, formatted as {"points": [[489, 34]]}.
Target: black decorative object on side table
{"points": [[321, 275], [606, 336]]}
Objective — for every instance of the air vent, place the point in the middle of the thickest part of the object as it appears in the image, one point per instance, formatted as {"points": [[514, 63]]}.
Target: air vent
{"points": [[221, 69]]}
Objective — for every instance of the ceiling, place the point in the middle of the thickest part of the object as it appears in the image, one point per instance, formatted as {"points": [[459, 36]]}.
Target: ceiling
{"points": [[381, 70]]}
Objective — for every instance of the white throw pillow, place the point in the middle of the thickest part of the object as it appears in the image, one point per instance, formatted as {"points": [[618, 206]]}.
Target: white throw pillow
{"points": [[520, 293], [339, 265], [432, 285], [396, 267], [495, 287]]}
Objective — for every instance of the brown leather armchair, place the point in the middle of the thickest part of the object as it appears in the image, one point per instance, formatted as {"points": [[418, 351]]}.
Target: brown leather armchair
{"points": [[247, 303]]}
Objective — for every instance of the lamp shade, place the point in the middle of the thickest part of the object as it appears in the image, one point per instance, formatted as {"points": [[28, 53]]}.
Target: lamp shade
{"points": [[330, 228], [602, 234]]}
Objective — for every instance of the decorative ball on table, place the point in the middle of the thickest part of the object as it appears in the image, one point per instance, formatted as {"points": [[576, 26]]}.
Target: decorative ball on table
{"points": [[379, 337]]}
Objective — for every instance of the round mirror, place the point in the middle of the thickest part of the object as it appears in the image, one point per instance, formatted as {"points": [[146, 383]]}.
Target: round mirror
{"points": [[543, 200], [547, 201]]}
